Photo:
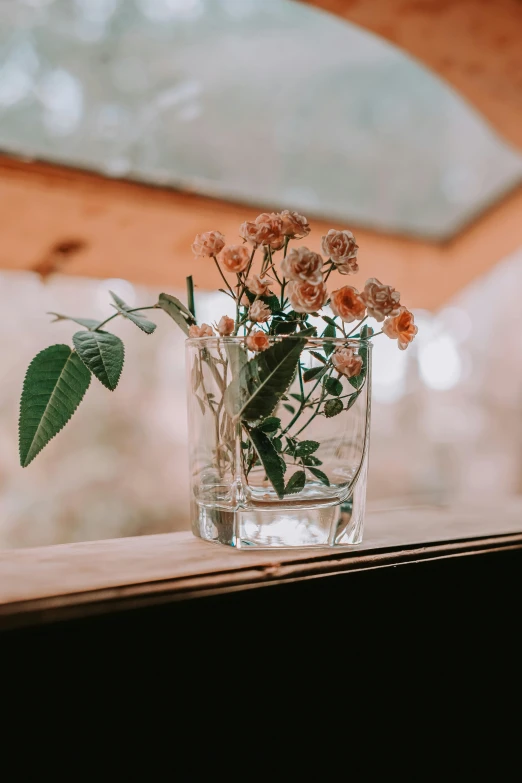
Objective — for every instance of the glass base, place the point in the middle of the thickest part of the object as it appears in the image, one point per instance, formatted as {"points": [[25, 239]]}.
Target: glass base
{"points": [[285, 525]]}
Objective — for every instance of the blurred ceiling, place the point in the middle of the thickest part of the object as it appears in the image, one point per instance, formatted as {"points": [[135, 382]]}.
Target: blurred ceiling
{"points": [[267, 102], [474, 44]]}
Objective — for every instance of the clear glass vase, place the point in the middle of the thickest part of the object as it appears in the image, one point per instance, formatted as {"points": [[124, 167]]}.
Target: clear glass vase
{"points": [[278, 446]]}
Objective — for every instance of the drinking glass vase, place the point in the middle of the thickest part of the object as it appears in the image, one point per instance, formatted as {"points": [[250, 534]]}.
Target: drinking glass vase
{"points": [[294, 476]]}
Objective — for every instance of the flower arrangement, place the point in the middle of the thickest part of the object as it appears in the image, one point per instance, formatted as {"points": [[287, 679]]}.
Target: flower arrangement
{"points": [[253, 352]]}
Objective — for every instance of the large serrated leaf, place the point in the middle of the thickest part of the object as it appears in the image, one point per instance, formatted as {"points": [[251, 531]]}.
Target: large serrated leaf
{"points": [[103, 354], [270, 459], [255, 392], [54, 386], [177, 311]]}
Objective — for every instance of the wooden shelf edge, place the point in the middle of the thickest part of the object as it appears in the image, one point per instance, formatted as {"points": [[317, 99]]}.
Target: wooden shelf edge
{"points": [[271, 571]]}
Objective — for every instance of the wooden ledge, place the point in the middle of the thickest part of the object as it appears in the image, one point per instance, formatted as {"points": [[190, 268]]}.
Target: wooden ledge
{"points": [[75, 580]]}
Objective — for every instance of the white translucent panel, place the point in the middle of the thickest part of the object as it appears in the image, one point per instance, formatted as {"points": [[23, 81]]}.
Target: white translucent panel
{"points": [[265, 102]]}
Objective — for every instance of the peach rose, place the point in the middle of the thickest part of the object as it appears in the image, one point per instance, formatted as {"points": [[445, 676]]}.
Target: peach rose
{"points": [[381, 300], [347, 266], [347, 362], [235, 258], [266, 229], [303, 264], [208, 244], [259, 312], [401, 328], [248, 232], [258, 285], [341, 247], [225, 326], [257, 341], [306, 297], [201, 331], [347, 303], [295, 226]]}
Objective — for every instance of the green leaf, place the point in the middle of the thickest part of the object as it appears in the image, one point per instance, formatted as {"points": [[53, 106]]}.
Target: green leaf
{"points": [[177, 311], [333, 386], [103, 354], [363, 349], [119, 301], [255, 392], [306, 447], [296, 483], [271, 424], [289, 408], [89, 323], [311, 460], [329, 321], [332, 407], [358, 381], [269, 458], [54, 386], [318, 356], [237, 357], [314, 372], [283, 327], [330, 331], [351, 401], [323, 478], [143, 323], [277, 443]]}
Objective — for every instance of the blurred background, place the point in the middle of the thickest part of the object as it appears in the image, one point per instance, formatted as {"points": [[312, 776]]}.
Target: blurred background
{"points": [[262, 104]]}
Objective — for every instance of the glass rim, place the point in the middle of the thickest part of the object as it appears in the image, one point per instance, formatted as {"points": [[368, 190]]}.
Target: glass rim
{"points": [[240, 339]]}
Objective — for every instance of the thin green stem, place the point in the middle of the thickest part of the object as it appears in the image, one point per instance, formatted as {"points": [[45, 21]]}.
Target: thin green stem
{"points": [[358, 326], [301, 385], [223, 276], [241, 291], [190, 295], [304, 401], [328, 273]]}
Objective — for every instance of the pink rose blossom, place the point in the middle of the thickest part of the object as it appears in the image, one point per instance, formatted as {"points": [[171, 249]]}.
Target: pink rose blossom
{"points": [[225, 326], [235, 258], [341, 247], [381, 300], [258, 341], [347, 362], [201, 331], [208, 244], [295, 226], [258, 285], [401, 327], [306, 297], [303, 264], [259, 312], [266, 229], [347, 303]]}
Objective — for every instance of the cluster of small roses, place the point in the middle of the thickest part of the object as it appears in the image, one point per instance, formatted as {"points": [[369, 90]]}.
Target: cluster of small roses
{"points": [[304, 281]]}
